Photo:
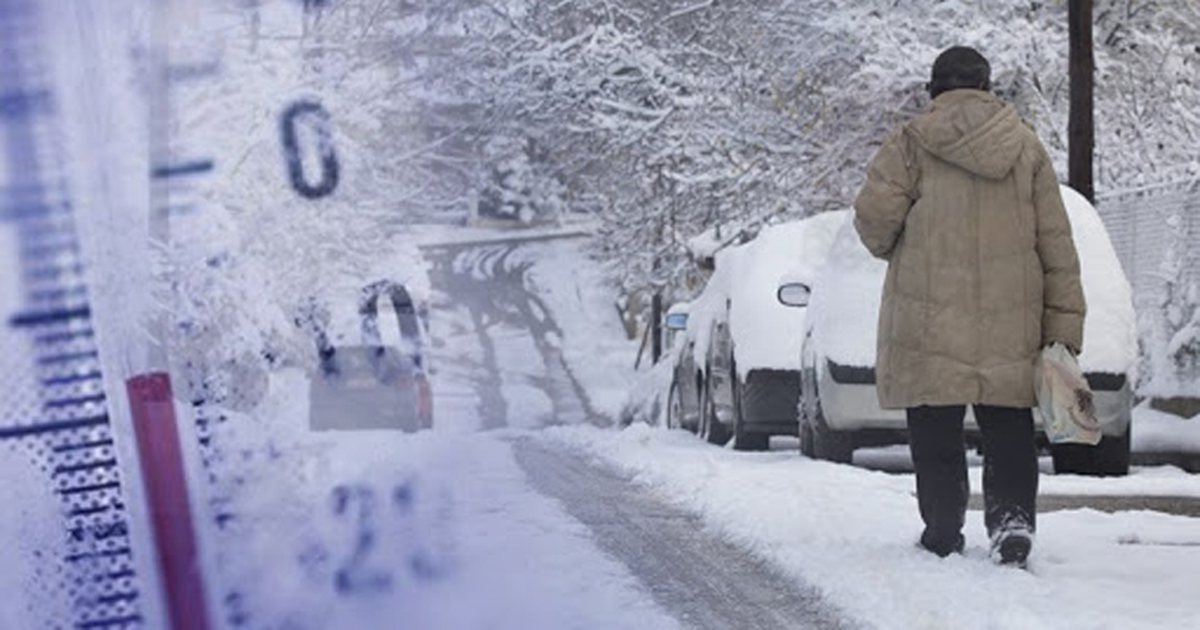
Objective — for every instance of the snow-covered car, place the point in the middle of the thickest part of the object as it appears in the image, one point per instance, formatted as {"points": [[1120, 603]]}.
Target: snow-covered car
{"points": [[840, 411], [683, 398], [736, 367], [371, 364]]}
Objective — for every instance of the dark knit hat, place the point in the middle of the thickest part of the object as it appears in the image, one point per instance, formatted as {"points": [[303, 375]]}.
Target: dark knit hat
{"points": [[960, 67]]}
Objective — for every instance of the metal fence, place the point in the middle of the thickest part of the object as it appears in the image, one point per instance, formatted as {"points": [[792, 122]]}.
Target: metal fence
{"points": [[1156, 233]]}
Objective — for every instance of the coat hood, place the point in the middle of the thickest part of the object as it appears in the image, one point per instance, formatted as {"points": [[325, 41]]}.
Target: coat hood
{"points": [[973, 130]]}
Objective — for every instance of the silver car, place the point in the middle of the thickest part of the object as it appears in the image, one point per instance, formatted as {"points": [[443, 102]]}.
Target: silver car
{"points": [[839, 409]]}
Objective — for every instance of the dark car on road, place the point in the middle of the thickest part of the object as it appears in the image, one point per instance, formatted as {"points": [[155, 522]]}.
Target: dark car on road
{"points": [[371, 365]]}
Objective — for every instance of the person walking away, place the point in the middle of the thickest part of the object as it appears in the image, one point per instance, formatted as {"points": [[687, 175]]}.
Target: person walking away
{"points": [[963, 203]]}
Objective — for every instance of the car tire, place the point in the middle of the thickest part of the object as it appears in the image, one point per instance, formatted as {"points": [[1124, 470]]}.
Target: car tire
{"points": [[711, 429], [1109, 458], [818, 441], [803, 406], [806, 440], [424, 405], [743, 438], [674, 408]]}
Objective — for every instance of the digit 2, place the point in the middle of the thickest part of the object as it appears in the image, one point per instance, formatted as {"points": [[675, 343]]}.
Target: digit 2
{"points": [[353, 577], [314, 114]]}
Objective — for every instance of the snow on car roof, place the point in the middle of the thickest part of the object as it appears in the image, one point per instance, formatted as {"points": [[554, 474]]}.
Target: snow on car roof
{"points": [[1110, 327], [766, 334], [844, 311]]}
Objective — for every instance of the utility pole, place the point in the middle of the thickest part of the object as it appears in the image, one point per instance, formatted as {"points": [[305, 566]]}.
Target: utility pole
{"points": [[1081, 127]]}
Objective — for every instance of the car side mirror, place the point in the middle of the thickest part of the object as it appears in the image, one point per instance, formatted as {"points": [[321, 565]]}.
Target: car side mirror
{"points": [[794, 294], [677, 321]]}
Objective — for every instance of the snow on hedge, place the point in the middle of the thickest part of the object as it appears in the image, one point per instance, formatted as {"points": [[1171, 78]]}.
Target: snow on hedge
{"points": [[845, 304]]}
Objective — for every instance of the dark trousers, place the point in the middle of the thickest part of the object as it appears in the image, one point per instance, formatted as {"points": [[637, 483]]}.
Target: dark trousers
{"points": [[1010, 471]]}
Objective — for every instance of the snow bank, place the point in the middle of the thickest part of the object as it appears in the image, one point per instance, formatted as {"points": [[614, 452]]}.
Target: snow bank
{"points": [[647, 399], [851, 533], [1158, 432], [845, 304], [580, 300]]}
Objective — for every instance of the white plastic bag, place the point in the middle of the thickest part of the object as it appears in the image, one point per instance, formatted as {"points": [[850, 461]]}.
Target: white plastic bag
{"points": [[1064, 398]]}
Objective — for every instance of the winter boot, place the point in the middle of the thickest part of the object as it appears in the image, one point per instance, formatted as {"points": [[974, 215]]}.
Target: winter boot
{"points": [[1011, 546], [942, 546]]}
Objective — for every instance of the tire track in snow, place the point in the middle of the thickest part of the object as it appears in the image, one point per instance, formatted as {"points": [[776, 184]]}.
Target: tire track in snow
{"points": [[702, 580], [489, 284]]}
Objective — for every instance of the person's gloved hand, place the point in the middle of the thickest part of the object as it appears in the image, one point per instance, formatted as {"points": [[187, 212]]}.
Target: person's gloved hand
{"points": [[1073, 352]]}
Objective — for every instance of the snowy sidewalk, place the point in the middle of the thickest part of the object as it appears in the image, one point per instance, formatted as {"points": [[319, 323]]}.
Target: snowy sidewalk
{"points": [[704, 581], [434, 530], [851, 533]]}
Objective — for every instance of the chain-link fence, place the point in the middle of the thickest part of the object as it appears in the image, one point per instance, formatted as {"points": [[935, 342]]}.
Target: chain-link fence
{"points": [[1156, 233]]}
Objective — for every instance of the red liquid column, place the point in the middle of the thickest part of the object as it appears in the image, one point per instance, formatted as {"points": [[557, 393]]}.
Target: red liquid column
{"points": [[153, 409]]}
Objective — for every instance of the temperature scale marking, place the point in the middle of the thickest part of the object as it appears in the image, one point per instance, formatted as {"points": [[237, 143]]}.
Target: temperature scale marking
{"points": [[65, 428]]}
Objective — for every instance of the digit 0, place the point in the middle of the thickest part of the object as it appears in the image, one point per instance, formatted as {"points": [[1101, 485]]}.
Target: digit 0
{"points": [[309, 113]]}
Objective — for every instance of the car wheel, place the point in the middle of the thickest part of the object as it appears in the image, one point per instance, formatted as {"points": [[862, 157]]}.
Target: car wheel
{"points": [[806, 440], [711, 428], [424, 404], [803, 408], [1108, 458], [743, 438], [818, 441], [674, 408], [697, 424]]}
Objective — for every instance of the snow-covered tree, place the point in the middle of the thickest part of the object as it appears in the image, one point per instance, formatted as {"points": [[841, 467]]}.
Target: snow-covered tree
{"points": [[663, 118], [1171, 333]]}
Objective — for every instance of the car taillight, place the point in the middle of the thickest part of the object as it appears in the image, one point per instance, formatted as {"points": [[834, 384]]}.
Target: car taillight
{"points": [[403, 379], [424, 398]]}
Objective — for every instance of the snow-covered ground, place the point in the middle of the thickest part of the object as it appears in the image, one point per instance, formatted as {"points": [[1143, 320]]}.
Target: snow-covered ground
{"points": [[440, 529], [525, 333], [852, 532], [579, 298], [443, 529], [1159, 432]]}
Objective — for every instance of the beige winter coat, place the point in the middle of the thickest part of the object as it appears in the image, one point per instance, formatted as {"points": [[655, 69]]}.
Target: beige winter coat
{"points": [[964, 205]]}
